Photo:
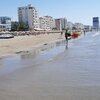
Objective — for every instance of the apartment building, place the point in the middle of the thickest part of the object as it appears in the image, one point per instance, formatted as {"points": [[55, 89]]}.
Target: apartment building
{"points": [[47, 22], [42, 21], [29, 15], [5, 23]]}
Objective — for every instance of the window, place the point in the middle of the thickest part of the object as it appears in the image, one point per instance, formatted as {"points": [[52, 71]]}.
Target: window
{"points": [[30, 7]]}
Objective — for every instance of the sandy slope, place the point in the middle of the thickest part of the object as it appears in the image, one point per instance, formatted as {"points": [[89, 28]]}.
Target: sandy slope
{"points": [[23, 43]]}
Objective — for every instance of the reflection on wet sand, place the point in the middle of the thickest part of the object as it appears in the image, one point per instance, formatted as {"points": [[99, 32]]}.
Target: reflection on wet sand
{"points": [[34, 52]]}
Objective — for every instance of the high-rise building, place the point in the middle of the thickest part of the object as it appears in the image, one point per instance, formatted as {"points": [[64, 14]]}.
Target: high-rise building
{"points": [[29, 15], [95, 22], [5, 23]]}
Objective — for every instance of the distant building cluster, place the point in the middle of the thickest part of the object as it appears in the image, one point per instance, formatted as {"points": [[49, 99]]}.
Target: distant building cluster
{"points": [[29, 16], [5, 24]]}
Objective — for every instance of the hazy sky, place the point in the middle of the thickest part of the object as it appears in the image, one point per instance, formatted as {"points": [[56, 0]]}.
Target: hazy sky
{"points": [[74, 10]]}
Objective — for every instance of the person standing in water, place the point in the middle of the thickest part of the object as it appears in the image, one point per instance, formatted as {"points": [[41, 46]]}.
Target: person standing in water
{"points": [[66, 37]]}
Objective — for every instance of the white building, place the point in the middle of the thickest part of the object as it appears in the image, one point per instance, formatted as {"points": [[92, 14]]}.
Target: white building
{"points": [[42, 21], [29, 15], [47, 22], [5, 23]]}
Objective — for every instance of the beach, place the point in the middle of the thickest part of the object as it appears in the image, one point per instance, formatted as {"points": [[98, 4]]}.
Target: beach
{"points": [[54, 74], [26, 43]]}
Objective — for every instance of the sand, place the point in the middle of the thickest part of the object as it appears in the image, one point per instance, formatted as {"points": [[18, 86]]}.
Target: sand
{"points": [[24, 43]]}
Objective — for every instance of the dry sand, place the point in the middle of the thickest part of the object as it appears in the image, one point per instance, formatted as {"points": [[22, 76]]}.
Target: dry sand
{"points": [[24, 43]]}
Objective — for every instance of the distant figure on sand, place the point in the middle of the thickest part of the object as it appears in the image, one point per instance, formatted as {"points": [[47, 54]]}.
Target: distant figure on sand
{"points": [[61, 33], [84, 32]]}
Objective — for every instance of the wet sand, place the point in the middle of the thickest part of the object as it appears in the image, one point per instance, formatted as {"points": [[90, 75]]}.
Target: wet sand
{"points": [[25, 43]]}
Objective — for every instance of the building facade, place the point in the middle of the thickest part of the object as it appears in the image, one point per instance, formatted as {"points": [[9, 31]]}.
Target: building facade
{"points": [[5, 23], [61, 23], [95, 22], [42, 21], [58, 24], [47, 22], [29, 15]]}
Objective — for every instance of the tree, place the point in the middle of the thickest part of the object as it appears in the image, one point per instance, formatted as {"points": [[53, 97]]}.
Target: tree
{"points": [[22, 27], [14, 26], [19, 26]]}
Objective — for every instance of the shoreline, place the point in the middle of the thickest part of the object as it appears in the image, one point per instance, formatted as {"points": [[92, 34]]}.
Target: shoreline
{"points": [[22, 44]]}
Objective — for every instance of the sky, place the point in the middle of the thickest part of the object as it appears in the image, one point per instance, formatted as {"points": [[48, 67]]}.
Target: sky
{"points": [[74, 10]]}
